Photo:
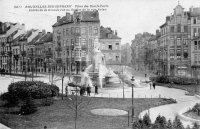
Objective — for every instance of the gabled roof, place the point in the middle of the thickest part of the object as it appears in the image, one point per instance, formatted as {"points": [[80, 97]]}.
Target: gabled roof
{"points": [[13, 33], [107, 33], [48, 37], [26, 35], [34, 40]]}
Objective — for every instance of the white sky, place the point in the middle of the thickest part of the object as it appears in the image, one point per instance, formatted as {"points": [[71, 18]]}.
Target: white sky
{"points": [[128, 17]]}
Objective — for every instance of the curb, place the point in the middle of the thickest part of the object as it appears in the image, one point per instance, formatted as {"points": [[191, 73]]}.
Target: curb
{"points": [[185, 118]]}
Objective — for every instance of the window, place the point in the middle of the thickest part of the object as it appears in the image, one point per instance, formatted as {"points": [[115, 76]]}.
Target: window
{"points": [[172, 29], [172, 53], [185, 28], [77, 41], [83, 41], [179, 28], [185, 54], [195, 21], [178, 54], [178, 42], [72, 30], [185, 42], [199, 59], [95, 31], [117, 58], [63, 31], [84, 30], [110, 47], [199, 45], [195, 45], [172, 43], [91, 43], [90, 30], [194, 32], [77, 30], [72, 42], [67, 31]]}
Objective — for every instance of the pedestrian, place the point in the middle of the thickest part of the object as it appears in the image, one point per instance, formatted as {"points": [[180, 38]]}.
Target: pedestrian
{"points": [[150, 84], [96, 89], [87, 90], [154, 85]]}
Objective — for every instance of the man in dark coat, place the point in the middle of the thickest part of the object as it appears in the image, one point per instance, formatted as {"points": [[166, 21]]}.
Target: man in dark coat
{"points": [[96, 89], [154, 85]]}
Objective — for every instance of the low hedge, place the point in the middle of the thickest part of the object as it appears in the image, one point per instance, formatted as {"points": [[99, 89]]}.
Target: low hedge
{"points": [[36, 89], [175, 80]]}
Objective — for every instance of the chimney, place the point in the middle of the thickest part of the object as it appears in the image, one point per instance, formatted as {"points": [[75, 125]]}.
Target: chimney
{"points": [[23, 26], [43, 31], [40, 34], [58, 18], [68, 16], [157, 32], [167, 18], [115, 32]]}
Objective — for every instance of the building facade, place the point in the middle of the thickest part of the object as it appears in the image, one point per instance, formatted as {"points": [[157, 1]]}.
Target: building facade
{"points": [[74, 39], [110, 46], [195, 41], [9, 32]]}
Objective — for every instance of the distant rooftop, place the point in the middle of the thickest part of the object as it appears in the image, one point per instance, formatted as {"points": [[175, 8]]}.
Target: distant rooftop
{"points": [[107, 33], [83, 16]]}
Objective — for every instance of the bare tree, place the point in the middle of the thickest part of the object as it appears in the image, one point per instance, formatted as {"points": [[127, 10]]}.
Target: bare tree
{"points": [[78, 105]]}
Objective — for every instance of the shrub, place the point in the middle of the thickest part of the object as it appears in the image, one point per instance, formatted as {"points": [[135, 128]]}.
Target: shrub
{"points": [[36, 89], [10, 98], [175, 80], [28, 107]]}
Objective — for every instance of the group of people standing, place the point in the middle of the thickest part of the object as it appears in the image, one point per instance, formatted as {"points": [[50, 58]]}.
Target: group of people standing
{"points": [[88, 90], [152, 84]]}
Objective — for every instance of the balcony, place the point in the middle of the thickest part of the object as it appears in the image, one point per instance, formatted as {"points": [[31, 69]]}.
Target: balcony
{"points": [[71, 47], [16, 57], [58, 48], [77, 58], [23, 53], [84, 47], [3, 53], [58, 60], [77, 34], [48, 54]]}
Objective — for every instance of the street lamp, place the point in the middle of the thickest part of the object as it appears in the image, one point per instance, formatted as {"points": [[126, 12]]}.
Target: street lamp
{"points": [[132, 98]]}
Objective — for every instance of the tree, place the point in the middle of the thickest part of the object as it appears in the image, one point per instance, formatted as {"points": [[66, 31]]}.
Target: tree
{"points": [[146, 120], [177, 124]]}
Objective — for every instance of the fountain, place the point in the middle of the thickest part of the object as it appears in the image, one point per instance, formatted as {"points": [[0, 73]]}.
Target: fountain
{"points": [[96, 73]]}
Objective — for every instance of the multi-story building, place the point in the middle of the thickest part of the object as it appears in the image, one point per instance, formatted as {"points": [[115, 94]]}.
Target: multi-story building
{"points": [[73, 37], [19, 49], [110, 46], [175, 43], [44, 53], [10, 31], [152, 52], [31, 55], [195, 41], [139, 51]]}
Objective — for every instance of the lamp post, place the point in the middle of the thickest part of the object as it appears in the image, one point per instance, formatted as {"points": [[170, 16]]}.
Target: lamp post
{"points": [[132, 99]]}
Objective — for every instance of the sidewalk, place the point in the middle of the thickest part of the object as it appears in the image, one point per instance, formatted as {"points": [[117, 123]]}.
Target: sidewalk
{"points": [[3, 126]]}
